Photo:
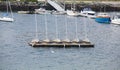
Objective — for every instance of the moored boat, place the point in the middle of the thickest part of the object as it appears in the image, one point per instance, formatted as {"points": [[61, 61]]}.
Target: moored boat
{"points": [[7, 19], [116, 20], [72, 13], [23, 12], [6, 16], [87, 12], [103, 18]]}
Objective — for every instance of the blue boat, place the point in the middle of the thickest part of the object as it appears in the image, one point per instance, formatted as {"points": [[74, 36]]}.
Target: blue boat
{"points": [[103, 18]]}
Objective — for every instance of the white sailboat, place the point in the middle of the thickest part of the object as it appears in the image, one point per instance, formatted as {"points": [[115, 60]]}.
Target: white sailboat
{"points": [[6, 17], [76, 32], [46, 30], [66, 31], [72, 12], [116, 20], [57, 39], [35, 40], [85, 40], [40, 11]]}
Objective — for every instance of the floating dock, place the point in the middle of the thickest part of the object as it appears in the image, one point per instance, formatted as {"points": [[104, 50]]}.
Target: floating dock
{"points": [[61, 44]]}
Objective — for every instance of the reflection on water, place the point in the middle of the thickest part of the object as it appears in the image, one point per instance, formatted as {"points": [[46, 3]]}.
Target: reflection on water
{"points": [[15, 54]]}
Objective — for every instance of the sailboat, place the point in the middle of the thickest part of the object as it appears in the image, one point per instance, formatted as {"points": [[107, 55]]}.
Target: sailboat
{"points": [[35, 40], [57, 39], [66, 31], [116, 19], [5, 16], [46, 30], [86, 42], [72, 12], [76, 32]]}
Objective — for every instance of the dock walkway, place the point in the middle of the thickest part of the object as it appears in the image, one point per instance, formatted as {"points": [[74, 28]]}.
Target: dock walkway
{"points": [[61, 44]]}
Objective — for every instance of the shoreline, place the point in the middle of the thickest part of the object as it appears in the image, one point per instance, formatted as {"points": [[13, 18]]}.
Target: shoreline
{"points": [[31, 6]]}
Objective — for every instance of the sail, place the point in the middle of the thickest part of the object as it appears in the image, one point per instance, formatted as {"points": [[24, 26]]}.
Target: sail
{"points": [[6, 16]]}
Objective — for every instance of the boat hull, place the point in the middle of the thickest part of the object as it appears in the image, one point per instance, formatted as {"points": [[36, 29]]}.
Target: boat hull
{"points": [[103, 20], [72, 13], [7, 19], [115, 21]]}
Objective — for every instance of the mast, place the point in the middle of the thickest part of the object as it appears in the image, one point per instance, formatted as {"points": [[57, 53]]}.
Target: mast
{"points": [[85, 29], [7, 6], [36, 28], [76, 27], [46, 33], [66, 26], [10, 9], [36, 32], [74, 5], [66, 32], [56, 26], [104, 8], [71, 4], [64, 4], [57, 39]]}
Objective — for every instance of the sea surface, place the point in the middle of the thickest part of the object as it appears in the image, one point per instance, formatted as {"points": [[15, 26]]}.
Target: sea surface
{"points": [[16, 54]]}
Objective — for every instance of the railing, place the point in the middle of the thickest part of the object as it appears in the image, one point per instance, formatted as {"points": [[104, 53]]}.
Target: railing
{"points": [[60, 4], [56, 5]]}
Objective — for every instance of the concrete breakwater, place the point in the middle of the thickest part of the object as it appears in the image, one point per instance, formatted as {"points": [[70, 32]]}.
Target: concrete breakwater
{"points": [[31, 6]]}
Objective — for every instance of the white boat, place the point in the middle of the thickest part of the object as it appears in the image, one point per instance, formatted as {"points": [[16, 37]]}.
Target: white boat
{"points": [[46, 40], [6, 16], [7, 19], [116, 19], [86, 40], [57, 40], [35, 40], [66, 40], [40, 11], [23, 12], [72, 13], [75, 40], [87, 12]]}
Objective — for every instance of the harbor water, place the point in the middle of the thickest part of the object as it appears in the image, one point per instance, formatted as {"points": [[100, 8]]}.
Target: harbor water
{"points": [[16, 54]]}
